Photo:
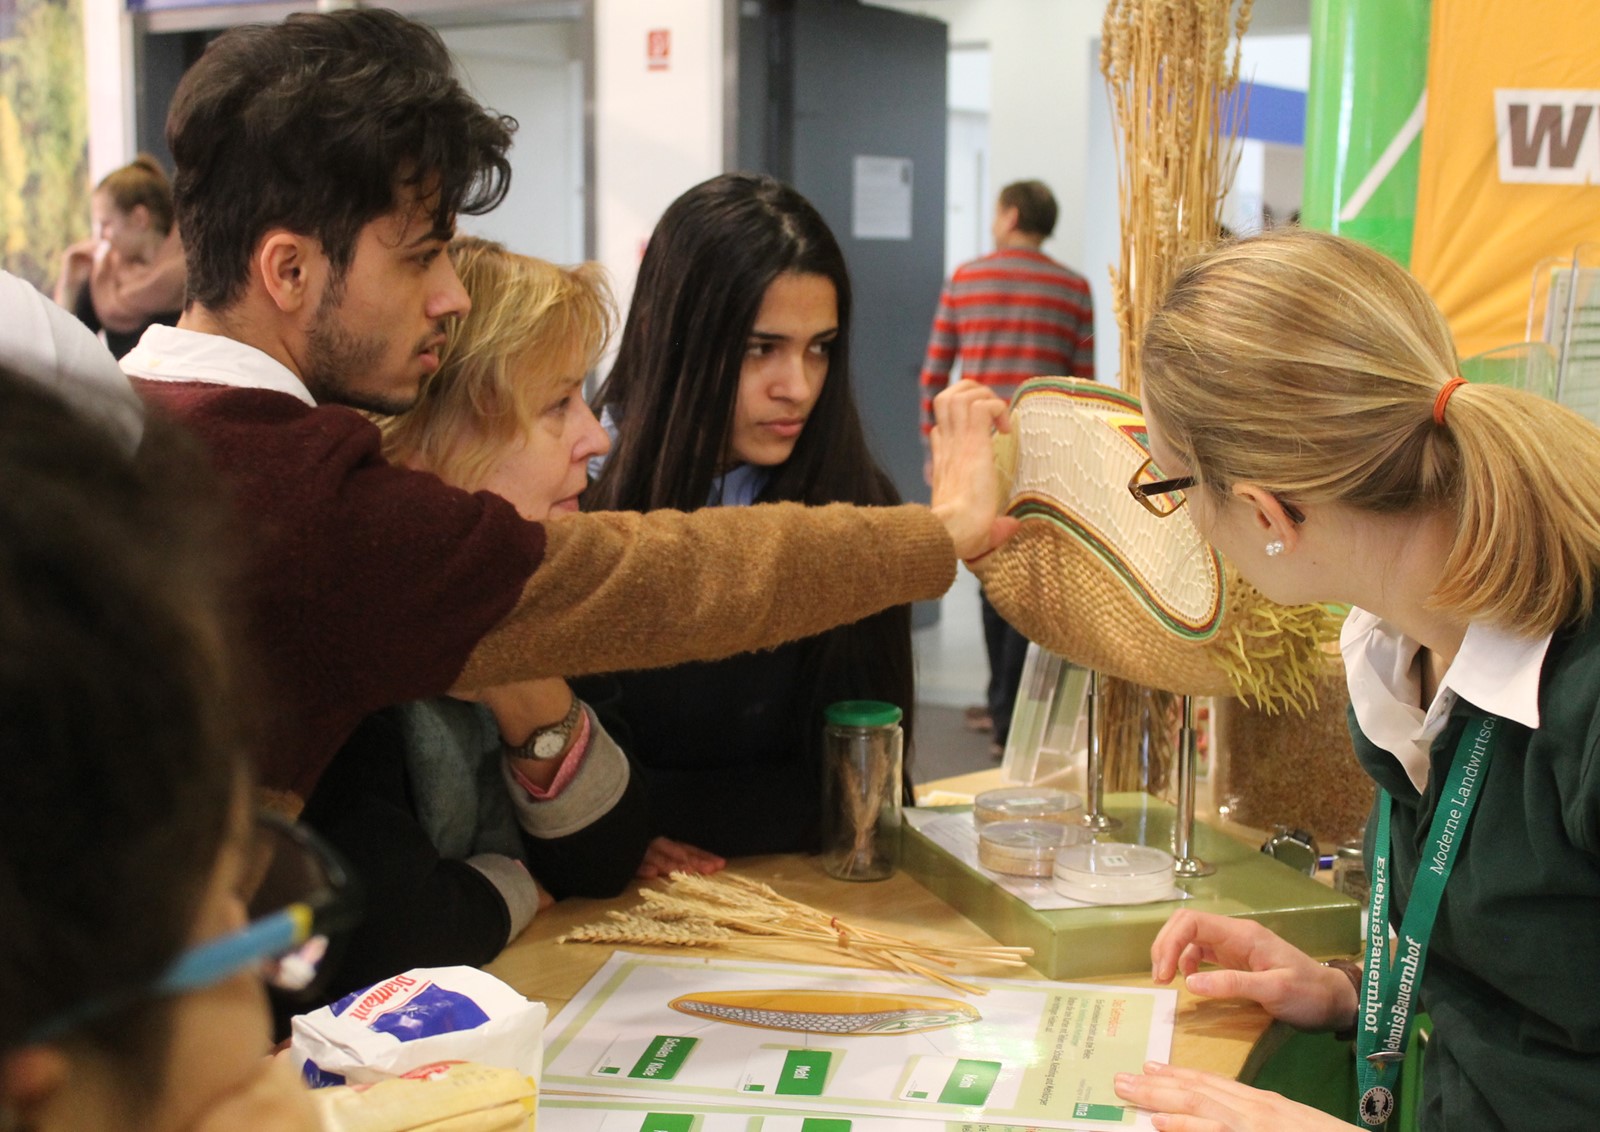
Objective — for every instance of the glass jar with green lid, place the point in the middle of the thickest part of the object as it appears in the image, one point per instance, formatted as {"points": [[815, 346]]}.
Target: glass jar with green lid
{"points": [[861, 756]]}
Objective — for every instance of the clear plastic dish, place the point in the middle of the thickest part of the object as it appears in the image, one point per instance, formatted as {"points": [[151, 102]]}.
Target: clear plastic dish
{"points": [[1024, 848], [1108, 872], [1026, 803]]}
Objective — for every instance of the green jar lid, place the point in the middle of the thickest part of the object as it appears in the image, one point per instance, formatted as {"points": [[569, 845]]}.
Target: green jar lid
{"points": [[863, 713]]}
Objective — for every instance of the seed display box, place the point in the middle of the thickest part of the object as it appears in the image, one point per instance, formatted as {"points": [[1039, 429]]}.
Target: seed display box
{"points": [[1075, 943]]}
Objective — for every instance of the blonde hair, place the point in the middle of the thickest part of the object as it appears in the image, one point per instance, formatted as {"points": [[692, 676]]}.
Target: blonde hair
{"points": [[533, 329], [1309, 364], [142, 181]]}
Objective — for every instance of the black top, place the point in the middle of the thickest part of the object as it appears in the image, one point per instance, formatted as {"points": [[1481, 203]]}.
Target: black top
{"points": [[731, 749], [120, 344], [422, 910]]}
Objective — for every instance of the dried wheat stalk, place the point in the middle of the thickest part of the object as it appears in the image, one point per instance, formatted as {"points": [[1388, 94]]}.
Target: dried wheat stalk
{"points": [[1170, 67], [862, 794], [698, 911]]}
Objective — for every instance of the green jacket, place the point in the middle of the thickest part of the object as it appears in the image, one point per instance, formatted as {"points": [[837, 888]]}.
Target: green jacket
{"points": [[1511, 974]]}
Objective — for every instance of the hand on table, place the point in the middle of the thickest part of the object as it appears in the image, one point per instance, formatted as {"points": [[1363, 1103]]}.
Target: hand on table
{"points": [[1189, 1100], [274, 1099], [966, 484], [1257, 965], [663, 857]]}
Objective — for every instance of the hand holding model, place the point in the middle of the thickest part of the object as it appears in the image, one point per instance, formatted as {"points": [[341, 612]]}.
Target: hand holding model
{"points": [[966, 486]]}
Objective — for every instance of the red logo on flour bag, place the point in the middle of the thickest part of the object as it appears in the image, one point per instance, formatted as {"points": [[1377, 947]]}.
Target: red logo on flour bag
{"points": [[394, 992]]}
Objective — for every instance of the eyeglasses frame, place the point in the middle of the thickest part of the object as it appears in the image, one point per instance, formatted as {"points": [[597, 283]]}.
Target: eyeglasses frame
{"points": [[1143, 491], [267, 937]]}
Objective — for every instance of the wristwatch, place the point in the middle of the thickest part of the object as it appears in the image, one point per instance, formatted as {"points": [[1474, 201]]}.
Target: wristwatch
{"points": [[1352, 972], [549, 742]]}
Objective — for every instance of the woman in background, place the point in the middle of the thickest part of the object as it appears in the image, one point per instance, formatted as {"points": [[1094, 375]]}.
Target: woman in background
{"points": [[130, 273], [732, 386]]}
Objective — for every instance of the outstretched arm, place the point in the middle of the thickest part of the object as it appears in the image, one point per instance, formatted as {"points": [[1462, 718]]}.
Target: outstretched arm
{"points": [[619, 591]]}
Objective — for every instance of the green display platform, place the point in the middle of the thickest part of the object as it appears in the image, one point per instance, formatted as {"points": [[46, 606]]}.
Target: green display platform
{"points": [[1082, 942]]}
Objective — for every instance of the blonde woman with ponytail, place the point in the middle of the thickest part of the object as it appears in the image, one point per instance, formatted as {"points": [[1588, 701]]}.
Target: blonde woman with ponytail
{"points": [[1302, 392]]}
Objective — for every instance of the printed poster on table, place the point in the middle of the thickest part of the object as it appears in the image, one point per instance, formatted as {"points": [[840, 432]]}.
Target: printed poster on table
{"points": [[592, 1114], [843, 1044]]}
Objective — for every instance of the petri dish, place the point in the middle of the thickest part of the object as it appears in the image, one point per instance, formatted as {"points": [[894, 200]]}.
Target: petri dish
{"points": [[1109, 872], [1024, 848], [1026, 803]]}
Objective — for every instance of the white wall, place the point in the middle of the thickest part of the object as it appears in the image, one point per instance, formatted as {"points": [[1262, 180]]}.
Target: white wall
{"points": [[1039, 94], [532, 71], [108, 63], [968, 181], [656, 132], [1277, 60]]}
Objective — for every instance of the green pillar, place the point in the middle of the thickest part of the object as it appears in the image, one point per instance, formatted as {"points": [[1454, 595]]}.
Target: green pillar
{"points": [[1369, 70]]}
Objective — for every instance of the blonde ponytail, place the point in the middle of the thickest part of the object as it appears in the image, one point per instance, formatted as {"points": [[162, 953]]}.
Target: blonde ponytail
{"points": [[1310, 364], [1528, 539]]}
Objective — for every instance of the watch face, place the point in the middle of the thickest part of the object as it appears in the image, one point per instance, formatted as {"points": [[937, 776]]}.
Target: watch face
{"points": [[550, 744]]}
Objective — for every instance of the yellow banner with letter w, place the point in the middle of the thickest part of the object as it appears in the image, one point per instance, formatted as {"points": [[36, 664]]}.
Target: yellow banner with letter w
{"points": [[1510, 164]]}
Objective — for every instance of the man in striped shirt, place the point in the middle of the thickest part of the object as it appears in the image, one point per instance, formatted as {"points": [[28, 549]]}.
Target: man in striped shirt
{"points": [[1003, 318]]}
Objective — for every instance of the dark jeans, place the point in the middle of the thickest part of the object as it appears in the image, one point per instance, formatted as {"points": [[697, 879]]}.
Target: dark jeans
{"points": [[1007, 650]]}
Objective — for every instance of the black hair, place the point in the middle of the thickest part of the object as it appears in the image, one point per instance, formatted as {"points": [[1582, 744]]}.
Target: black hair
{"points": [[118, 754], [675, 385], [1035, 205], [320, 125]]}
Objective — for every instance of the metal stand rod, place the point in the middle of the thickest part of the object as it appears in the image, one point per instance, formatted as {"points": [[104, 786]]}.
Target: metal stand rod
{"points": [[1187, 864], [1094, 785]]}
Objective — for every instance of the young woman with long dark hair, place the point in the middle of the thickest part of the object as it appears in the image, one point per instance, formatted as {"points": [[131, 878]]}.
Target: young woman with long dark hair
{"points": [[732, 386]]}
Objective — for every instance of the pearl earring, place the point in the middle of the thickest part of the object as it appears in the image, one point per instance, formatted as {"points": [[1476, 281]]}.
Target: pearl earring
{"points": [[1274, 548]]}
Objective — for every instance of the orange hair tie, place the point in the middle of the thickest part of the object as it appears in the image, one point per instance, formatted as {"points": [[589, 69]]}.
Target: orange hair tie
{"points": [[1440, 401]]}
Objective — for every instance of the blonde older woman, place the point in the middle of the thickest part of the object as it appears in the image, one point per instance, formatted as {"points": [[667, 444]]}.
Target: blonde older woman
{"points": [[522, 781]]}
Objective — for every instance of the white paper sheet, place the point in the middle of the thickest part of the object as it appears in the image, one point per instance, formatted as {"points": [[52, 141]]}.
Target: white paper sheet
{"points": [[1035, 1053]]}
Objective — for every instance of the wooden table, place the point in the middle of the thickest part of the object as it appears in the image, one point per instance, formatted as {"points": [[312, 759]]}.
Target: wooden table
{"points": [[1218, 1036]]}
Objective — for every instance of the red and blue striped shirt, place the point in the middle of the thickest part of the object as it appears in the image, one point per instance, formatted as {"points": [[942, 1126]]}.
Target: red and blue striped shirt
{"points": [[1011, 315]]}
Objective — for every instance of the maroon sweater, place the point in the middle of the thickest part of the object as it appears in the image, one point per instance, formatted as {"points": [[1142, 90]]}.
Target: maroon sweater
{"points": [[371, 583]]}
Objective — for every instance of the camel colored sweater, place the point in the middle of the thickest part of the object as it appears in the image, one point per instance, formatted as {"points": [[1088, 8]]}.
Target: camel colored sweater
{"points": [[371, 585]]}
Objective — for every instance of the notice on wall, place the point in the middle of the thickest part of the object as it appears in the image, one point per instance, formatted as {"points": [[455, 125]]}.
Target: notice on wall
{"points": [[658, 49], [881, 199], [836, 1045]]}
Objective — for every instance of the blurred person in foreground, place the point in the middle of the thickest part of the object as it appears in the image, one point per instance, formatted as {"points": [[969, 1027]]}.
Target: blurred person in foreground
{"points": [[135, 932]]}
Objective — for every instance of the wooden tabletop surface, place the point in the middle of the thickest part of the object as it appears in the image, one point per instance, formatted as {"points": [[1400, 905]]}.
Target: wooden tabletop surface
{"points": [[1217, 1036]]}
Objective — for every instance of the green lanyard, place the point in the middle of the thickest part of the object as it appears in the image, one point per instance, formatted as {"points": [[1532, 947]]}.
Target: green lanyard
{"points": [[1390, 989]]}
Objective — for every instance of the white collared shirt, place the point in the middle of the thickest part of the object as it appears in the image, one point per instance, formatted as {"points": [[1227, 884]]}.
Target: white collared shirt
{"points": [[1494, 670], [166, 353]]}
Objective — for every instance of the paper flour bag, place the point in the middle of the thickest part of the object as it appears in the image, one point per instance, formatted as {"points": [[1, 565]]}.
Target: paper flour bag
{"points": [[425, 1015]]}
